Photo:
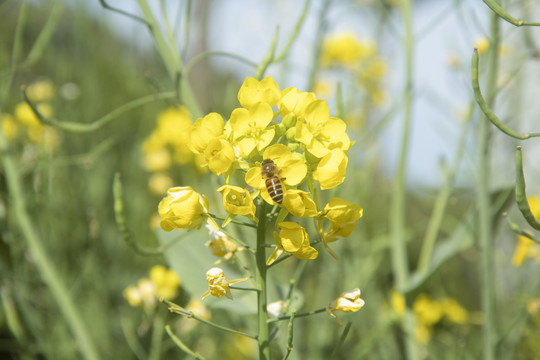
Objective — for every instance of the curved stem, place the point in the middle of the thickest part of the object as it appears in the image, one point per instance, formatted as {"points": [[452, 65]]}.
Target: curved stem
{"points": [[521, 195], [506, 16]]}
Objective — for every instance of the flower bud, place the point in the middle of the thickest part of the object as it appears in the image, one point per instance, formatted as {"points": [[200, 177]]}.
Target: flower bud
{"points": [[182, 208]]}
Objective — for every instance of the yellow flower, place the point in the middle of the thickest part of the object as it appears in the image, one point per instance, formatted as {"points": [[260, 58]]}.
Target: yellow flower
{"points": [[343, 216], [220, 155], [291, 168], [39, 91], [250, 127], [321, 133], [182, 208], [292, 238], [25, 114], [348, 301], [157, 160], [218, 284], [237, 201], [481, 44], [345, 49], [427, 311], [454, 311], [143, 294], [330, 171], [9, 126], [398, 302], [159, 183], [252, 91], [220, 245], [534, 205], [422, 334], [294, 101], [525, 248], [204, 130], [166, 280], [298, 203]]}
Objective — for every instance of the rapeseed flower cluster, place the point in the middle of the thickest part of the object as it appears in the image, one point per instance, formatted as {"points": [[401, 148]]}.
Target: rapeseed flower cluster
{"points": [[359, 58], [162, 283], [307, 149], [24, 124]]}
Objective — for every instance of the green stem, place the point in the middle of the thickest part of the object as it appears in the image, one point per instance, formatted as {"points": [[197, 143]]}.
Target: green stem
{"points": [[484, 201], [157, 336], [318, 41], [181, 345], [400, 264], [268, 59], [304, 314], [260, 256], [43, 263]]}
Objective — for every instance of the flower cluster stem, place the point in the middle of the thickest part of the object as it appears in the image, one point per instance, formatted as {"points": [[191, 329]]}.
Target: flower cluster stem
{"points": [[264, 349]]}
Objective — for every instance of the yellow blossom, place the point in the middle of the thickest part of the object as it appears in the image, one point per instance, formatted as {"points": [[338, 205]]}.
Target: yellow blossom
{"points": [[321, 133], [220, 245], [218, 284], [253, 91], [427, 311], [166, 280], [454, 311], [291, 168], [143, 294], [330, 171], [182, 208], [159, 183], [220, 155], [345, 49], [481, 44], [250, 127], [39, 91], [348, 301], [204, 130], [343, 216], [298, 203], [292, 238], [157, 160], [238, 201], [398, 302], [294, 101], [9, 126], [25, 114], [525, 248]]}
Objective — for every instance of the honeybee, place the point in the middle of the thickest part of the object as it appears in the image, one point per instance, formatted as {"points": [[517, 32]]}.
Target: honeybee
{"points": [[270, 172]]}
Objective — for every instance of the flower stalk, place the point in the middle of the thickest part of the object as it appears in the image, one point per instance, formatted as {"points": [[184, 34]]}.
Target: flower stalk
{"points": [[260, 256]]}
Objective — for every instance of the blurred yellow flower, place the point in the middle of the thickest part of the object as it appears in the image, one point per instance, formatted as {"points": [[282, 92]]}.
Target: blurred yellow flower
{"points": [[427, 311], [162, 283], [218, 284], [343, 216], [253, 91], [345, 49], [9, 126], [157, 160], [527, 248], [348, 301], [422, 334], [204, 130], [220, 245], [481, 44], [220, 155], [182, 208], [293, 239], [40, 91], [159, 183], [398, 302], [250, 127], [454, 311], [237, 201], [26, 116], [276, 308], [166, 280]]}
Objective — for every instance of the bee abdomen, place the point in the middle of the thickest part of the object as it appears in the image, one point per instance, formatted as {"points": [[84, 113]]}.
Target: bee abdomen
{"points": [[275, 190]]}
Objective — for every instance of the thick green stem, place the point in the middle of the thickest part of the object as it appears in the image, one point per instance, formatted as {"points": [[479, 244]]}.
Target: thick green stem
{"points": [[264, 349], [400, 264], [484, 201]]}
